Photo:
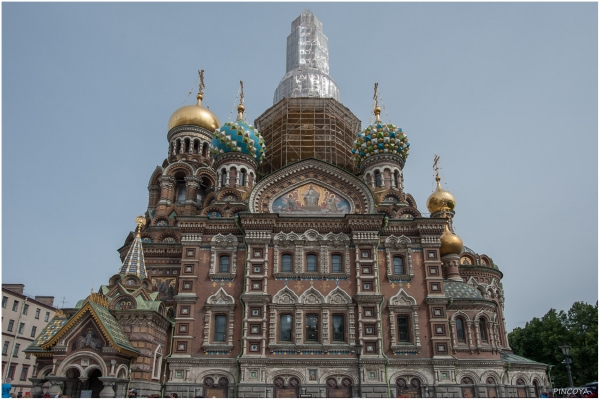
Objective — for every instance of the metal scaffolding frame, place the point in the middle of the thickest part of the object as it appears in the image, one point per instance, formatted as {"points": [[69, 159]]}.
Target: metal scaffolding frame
{"points": [[304, 127]]}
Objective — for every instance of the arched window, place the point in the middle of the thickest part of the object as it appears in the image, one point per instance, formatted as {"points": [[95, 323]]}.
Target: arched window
{"points": [[460, 329], [285, 328], [223, 177], [286, 263], [205, 149], [196, 146], [377, 178], [312, 328], [311, 263], [224, 264], [398, 265], [180, 190], [396, 179], [536, 387], [232, 177], [482, 330], [338, 328], [156, 366], [403, 329], [336, 263], [243, 177], [220, 327]]}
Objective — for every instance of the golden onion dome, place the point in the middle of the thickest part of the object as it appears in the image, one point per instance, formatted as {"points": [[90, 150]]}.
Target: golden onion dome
{"points": [[440, 198], [451, 243], [195, 115]]}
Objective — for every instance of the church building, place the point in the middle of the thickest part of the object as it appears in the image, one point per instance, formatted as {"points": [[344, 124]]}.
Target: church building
{"points": [[284, 258]]}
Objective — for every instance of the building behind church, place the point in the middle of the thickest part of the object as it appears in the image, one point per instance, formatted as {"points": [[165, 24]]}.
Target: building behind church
{"points": [[285, 258]]}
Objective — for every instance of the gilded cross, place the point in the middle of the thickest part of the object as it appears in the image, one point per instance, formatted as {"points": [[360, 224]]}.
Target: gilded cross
{"points": [[436, 167], [201, 75], [241, 92], [393, 285], [214, 284], [325, 286], [205, 258], [408, 285], [375, 94], [229, 284]]}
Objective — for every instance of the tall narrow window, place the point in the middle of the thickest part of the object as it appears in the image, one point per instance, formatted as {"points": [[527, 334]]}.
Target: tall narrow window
{"points": [[338, 328], [24, 373], [396, 180], [312, 328], [33, 331], [5, 348], [21, 327], [47, 317], [220, 325], [398, 265], [15, 305], [460, 329], [285, 328], [336, 263], [223, 177], [403, 333], [4, 301], [286, 263], [311, 263], [180, 191], [16, 351], [482, 331], [377, 178], [37, 313], [224, 264], [25, 309], [11, 324], [243, 177]]}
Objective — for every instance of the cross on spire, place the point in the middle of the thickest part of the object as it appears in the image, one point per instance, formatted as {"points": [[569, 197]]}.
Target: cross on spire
{"points": [[201, 86]]}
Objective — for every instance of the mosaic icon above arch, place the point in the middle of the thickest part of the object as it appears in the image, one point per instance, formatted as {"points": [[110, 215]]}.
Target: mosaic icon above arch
{"points": [[310, 199]]}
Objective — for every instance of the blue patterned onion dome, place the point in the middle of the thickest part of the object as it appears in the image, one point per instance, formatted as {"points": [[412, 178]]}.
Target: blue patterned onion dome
{"points": [[380, 138], [238, 136]]}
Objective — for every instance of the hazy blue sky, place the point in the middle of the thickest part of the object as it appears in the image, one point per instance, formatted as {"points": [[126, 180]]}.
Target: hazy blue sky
{"points": [[505, 93]]}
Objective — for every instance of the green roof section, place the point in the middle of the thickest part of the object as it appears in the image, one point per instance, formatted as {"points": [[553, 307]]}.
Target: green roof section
{"points": [[47, 333], [515, 359], [112, 327], [460, 290]]}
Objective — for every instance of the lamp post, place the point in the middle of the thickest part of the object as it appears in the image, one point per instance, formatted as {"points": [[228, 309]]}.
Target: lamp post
{"points": [[566, 350], [358, 349]]}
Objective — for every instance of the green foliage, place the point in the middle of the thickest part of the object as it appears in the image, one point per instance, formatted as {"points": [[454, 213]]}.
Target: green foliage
{"points": [[541, 338]]}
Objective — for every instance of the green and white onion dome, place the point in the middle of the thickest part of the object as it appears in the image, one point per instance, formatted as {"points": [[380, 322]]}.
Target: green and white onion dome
{"points": [[240, 137], [380, 138]]}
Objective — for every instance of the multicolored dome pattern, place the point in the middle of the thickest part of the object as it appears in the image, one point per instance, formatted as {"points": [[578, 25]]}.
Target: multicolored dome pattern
{"points": [[238, 136], [380, 138]]}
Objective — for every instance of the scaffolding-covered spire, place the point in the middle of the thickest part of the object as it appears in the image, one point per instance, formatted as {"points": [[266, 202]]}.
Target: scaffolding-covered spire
{"points": [[307, 62], [134, 260]]}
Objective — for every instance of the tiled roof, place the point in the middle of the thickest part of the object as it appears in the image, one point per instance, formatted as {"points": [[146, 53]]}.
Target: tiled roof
{"points": [[112, 327], [47, 333], [460, 290], [134, 260], [515, 359]]}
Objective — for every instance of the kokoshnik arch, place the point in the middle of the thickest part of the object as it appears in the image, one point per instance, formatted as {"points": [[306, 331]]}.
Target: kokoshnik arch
{"points": [[268, 251]]}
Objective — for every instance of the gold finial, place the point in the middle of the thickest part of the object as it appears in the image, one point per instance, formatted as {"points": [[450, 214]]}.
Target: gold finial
{"points": [[141, 222], [201, 86], [377, 110], [241, 107]]}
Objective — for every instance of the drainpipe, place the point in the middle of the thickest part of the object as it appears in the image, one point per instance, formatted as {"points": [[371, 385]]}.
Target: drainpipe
{"points": [[237, 358], [10, 356], [164, 377], [387, 381]]}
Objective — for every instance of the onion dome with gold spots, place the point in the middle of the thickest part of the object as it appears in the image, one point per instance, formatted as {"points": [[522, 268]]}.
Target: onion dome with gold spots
{"points": [[238, 136], [380, 138]]}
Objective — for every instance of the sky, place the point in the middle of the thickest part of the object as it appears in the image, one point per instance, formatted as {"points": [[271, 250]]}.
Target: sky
{"points": [[505, 93]]}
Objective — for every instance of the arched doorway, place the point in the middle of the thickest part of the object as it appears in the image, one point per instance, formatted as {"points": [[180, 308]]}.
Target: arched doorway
{"points": [[521, 392], [344, 390], [94, 383], [217, 389], [73, 384], [466, 387], [536, 387], [280, 389], [491, 387], [406, 389]]}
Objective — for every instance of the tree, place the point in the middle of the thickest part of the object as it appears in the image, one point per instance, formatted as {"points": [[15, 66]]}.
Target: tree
{"points": [[540, 339]]}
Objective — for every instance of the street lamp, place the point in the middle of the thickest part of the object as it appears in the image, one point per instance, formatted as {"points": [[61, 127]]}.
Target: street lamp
{"points": [[358, 349], [566, 350]]}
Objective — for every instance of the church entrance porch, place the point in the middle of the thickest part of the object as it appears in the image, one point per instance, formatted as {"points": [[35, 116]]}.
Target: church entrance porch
{"points": [[342, 390], [283, 390]]}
